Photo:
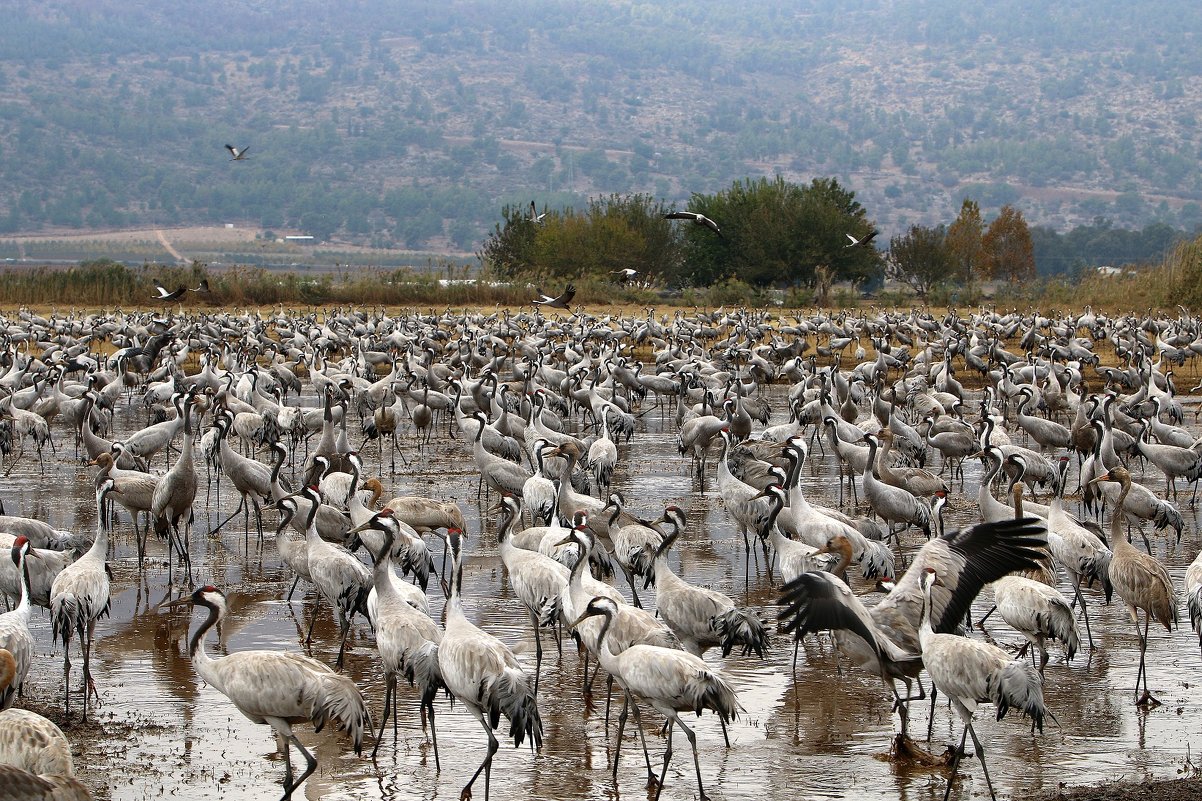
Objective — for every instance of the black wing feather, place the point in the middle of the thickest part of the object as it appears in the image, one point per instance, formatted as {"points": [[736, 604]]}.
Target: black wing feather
{"points": [[990, 551]]}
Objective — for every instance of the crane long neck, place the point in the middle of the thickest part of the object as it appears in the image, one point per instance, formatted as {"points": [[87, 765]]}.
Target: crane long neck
{"points": [[196, 648], [845, 557], [1116, 526]]}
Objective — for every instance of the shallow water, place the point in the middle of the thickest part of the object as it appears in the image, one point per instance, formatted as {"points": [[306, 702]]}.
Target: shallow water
{"points": [[819, 733]]}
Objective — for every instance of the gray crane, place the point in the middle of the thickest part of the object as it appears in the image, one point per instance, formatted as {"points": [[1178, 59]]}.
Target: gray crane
{"points": [[406, 638], [670, 680], [484, 675], [971, 671], [78, 598], [277, 688], [1141, 581]]}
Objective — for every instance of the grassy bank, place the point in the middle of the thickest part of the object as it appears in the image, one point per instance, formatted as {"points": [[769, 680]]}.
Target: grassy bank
{"points": [[104, 283]]}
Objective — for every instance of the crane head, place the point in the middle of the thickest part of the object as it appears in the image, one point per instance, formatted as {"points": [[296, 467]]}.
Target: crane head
{"points": [[21, 548]]}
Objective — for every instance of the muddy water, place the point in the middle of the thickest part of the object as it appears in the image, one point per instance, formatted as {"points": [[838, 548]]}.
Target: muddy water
{"points": [[817, 733]]}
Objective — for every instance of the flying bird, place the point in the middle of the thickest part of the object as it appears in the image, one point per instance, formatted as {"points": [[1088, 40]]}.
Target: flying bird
{"points": [[560, 302], [239, 154], [699, 219], [203, 287], [165, 294], [860, 242], [534, 215], [627, 275]]}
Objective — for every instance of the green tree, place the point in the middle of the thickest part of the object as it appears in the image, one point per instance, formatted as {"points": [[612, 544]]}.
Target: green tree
{"points": [[966, 253], [920, 258], [1009, 254], [509, 249], [613, 233], [776, 232]]}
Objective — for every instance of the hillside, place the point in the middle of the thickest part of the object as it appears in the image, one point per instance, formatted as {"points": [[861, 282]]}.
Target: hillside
{"points": [[400, 124]]}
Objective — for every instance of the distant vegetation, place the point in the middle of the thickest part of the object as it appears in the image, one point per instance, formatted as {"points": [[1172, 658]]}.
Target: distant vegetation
{"points": [[410, 125]]}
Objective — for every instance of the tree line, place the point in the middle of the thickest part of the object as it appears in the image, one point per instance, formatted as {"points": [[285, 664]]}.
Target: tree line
{"points": [[774, 233]]}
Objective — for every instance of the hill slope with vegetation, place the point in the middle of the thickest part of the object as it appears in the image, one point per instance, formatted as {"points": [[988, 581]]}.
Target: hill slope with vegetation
{"points": [[401, 124]]}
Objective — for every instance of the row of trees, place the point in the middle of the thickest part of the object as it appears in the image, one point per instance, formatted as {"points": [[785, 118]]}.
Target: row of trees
{"points": [[964, 251], [771, 233]]}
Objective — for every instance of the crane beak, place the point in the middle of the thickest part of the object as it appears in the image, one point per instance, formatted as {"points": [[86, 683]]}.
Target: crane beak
{"points": [[363, 527], [582, 618], [1103, 477], [180, 601]]}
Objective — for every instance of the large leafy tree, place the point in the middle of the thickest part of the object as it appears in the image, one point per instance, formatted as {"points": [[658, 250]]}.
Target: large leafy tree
{"points": [[509, 249], [920, 258], [1009, 253], [776, 232], [613, 233]]}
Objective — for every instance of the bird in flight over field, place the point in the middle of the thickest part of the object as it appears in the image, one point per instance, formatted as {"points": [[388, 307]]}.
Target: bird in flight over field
{"points": [[699, 219], [560, 302], [534, 215], [627, 275], [239, 154], [165, 294]]}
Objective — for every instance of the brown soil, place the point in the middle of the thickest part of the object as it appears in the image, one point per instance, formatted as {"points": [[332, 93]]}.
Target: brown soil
{"points": [[1167, 790]]}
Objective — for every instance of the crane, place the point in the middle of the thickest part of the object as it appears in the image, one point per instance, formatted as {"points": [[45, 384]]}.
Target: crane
{"points": [[15, 638], [406, 638], [483, 673], [278, 688], [700, 617], [966, 560], [339, 576], [971, 671], [1140, 580], [672, 681], [538, 581], [79, 597]]}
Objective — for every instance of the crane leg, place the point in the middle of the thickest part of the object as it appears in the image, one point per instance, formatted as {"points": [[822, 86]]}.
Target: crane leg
{"points": [[389, 695], [310, 765], [634, 593], [976, 744], [346, 632], [67, 676], [313, 620], [696, 757], [433, 733], [621, 728], [1084, 612], [667, 758], [931, 717], [538, 651], [609, 693], [652, 781], [951, 779], [1145, 699], [485, 767], [231, 517]]}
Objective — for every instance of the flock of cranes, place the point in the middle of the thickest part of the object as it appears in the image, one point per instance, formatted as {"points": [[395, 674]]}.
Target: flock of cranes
{"points": [[548, 417]]}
